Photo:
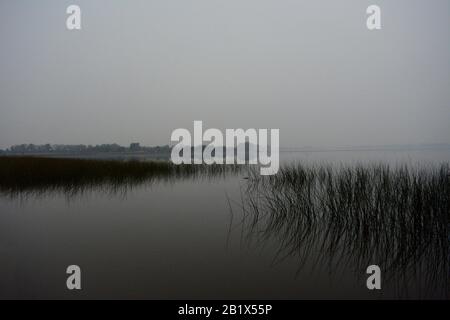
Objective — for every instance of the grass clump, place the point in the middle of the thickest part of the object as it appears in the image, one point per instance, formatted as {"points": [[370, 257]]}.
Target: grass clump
{"points": [[354, 216], [38, 174]]}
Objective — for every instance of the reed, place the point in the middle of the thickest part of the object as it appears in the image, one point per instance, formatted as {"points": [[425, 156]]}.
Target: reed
{"points": [[354, 216], [36, 175]]}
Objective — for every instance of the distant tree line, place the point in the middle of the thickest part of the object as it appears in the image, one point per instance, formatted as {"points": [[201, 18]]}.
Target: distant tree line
{"points": [[83, 149]]}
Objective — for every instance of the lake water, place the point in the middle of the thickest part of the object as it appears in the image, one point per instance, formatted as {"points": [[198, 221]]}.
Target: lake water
{"points": [[179, 240]]}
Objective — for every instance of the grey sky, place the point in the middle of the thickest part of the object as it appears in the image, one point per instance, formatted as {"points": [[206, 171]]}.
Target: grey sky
{"points": [[139, 69]]}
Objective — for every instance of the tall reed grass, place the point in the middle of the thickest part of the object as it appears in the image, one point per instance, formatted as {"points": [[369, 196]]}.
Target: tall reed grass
{"points": [[354, 216], [35, 175]]}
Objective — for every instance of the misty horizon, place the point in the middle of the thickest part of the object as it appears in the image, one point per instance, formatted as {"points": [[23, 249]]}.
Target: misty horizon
{"points": [[136, 73], [231, 153], [282, 148]]}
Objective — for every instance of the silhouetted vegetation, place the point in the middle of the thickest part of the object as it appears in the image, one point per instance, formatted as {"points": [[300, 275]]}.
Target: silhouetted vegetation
{"points": [[355, 216], [19, 175], [335, 217], [81, 149]]}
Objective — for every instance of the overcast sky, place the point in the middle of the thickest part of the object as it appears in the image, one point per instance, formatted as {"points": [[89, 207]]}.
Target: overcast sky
{"points": [[140, 69]]}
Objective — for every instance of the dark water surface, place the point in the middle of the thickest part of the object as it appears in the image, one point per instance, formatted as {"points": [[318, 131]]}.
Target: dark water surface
{"points": [[179, 239]]}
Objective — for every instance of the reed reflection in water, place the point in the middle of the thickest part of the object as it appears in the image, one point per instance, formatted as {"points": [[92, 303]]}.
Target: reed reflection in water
{"points": [[325, 218], [355, 216], [34, 176]]}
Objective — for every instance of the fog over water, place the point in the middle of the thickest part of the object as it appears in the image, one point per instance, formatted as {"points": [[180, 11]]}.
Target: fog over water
{"points": [[210, 235], [140, 69], [363, 118]]}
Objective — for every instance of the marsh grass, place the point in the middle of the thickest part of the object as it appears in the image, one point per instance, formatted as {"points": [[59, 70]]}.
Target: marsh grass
{"points": [[354, 216], [346, 217], [36, 175]]}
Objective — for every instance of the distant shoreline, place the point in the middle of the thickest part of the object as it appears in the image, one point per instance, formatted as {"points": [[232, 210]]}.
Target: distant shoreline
{"points": [[443, 147], [103, 155]]}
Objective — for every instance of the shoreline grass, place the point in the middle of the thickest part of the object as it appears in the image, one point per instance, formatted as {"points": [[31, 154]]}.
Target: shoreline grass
{"points": [[38, 174], [396, 217]]}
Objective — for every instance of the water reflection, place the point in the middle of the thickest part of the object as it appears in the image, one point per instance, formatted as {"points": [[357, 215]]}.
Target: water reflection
{"points": [[352, 217], [37, 177], [324, 219]]}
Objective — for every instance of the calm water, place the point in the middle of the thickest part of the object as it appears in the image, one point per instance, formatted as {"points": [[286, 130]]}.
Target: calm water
{"points": [[178, 240]]}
